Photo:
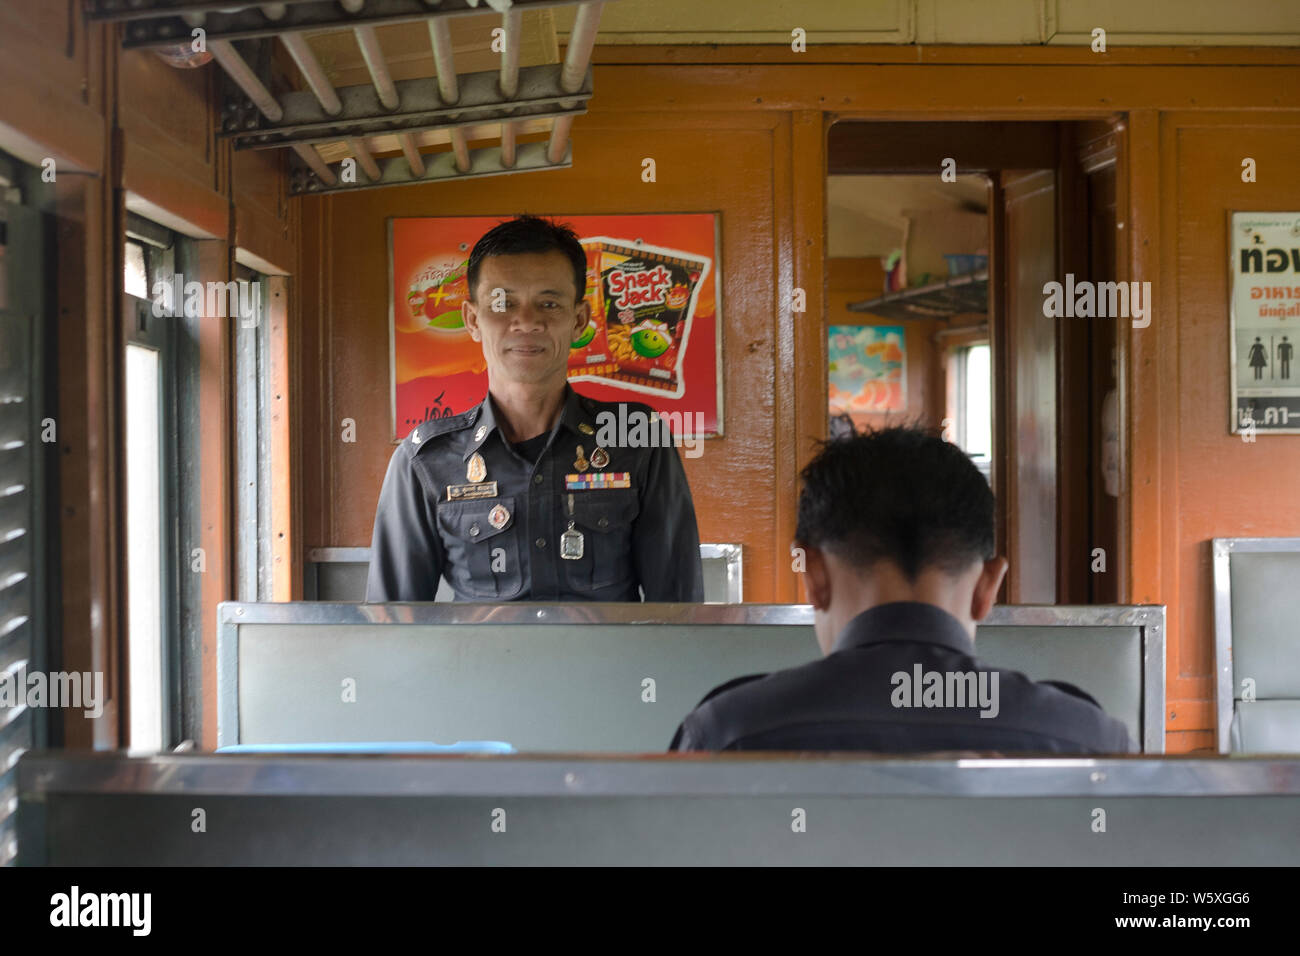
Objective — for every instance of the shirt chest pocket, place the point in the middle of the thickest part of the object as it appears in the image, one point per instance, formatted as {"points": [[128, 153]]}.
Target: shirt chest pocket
{"points": [[605, 520], [482, 558]]}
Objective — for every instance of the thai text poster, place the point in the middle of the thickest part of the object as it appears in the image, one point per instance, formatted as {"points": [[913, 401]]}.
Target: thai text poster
{"points": [[1265, 271]]}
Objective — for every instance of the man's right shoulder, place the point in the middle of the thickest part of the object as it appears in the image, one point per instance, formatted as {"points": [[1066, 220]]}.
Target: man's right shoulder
{"points": [[729, 685], [1075, 715], [699, 727], [435, 432]]}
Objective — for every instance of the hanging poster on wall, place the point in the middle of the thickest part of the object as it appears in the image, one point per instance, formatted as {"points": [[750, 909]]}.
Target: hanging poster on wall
{"points": [[1265, 325], [654, 334], [866, 369]]}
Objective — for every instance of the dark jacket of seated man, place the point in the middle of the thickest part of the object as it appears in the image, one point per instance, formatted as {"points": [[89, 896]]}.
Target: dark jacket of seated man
{"points": [[896, 536], [875, 692]]}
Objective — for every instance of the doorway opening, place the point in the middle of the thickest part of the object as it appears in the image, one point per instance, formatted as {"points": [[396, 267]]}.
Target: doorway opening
{"points": [[942, 239]]}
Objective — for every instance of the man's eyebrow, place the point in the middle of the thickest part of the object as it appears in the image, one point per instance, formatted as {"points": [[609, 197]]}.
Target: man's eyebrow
{"points": [[511, 290]]}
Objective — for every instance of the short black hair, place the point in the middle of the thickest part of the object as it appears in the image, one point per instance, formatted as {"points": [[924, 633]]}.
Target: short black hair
{"points": [[525, 234], [901, 494]]}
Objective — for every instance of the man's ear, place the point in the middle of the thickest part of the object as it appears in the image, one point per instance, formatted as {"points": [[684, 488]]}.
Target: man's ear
{"points": [[986, 587], [816, 578], [469, 315], [582, 315]]}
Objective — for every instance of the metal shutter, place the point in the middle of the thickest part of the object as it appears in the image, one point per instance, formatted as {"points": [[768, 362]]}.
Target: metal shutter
{"points": [[22, 494]]}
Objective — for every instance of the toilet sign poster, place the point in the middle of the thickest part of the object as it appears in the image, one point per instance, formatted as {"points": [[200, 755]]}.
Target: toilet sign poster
{"points": [[1265, 270], [654, 334]]}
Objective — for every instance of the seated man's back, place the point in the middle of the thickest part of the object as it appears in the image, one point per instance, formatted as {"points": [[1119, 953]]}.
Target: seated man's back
{"points": [[902, 678], [895, 533]]}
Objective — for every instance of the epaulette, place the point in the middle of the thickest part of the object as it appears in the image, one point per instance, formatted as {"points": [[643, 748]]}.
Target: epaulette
{"points": [[434, 427], [729, 685], [1072, 691]]}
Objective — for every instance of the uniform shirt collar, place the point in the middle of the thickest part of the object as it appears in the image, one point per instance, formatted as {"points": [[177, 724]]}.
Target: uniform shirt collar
{"points": [[575, 413], [905, 621]]}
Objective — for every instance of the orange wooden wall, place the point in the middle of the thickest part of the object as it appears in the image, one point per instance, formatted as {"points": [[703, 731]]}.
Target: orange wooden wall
{"points": [[1193, 480]]}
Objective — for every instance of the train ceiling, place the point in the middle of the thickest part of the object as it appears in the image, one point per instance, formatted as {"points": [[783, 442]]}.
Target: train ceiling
{"points": [[376, 77]]}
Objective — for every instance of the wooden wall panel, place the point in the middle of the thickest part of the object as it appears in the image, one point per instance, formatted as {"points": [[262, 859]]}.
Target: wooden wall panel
{"points": [[312, 406], [922, 147], [1030, 251], [51, 67], [933, 23], [76, 310], [1075, 468], [1223, 486], [1104, 518], [172, 165], [799, 184], [216, 424], [286, 573], [265, 220], [169, 110], [944, 88]]}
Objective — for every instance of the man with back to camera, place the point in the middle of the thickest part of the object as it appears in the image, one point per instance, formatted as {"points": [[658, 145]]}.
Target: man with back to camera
{"points": [[514, 499], [897, 531]]}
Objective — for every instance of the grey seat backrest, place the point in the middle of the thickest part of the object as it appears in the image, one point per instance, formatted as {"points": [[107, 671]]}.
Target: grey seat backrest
{"points": [[1266, 727], [536, 687], [95, 809], [339, 574], [1257, 642], [1105, 662], [612, 677], [343, 581]]}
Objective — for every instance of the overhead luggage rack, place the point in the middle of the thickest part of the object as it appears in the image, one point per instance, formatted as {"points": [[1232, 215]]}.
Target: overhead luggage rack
{"points": [[956, 295], [336, 132]]}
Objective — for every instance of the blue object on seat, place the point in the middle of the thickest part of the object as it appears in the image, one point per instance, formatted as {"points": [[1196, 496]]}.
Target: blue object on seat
{"points": [[375, 747]]}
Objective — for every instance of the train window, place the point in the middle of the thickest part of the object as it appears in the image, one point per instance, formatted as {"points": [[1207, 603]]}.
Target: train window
{"points": [[149, 457], [136, 278], [975, 404], [144, 539]]}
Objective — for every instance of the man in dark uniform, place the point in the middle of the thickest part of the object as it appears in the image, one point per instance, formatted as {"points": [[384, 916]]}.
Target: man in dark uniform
{"points": [[896, 528], [515, 499]]}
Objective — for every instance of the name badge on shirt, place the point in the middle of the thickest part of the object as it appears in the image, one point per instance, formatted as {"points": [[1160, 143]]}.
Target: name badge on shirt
{"points": [[482, 489], [598, 481]]}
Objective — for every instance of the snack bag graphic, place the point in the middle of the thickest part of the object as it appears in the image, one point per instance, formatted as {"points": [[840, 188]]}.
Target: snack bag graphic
{"points": [[646, 303], [589, 355], [434, 338]]}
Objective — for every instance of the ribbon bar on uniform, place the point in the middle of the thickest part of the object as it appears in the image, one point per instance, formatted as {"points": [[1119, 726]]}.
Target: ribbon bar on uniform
{"points": [[598, 480]]}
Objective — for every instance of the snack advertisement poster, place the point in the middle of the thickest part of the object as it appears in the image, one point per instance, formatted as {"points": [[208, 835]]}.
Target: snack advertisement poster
{"points": [[654, 335]]}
